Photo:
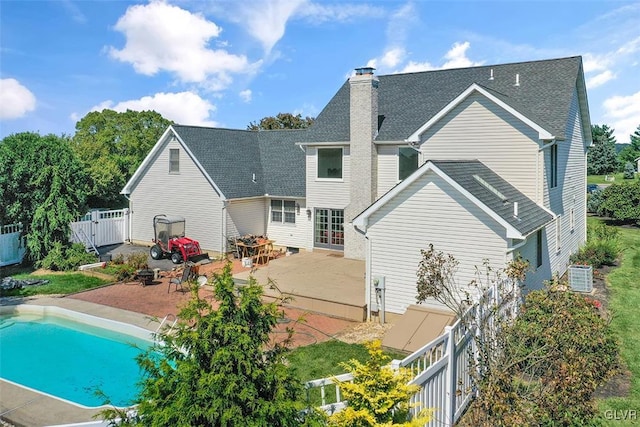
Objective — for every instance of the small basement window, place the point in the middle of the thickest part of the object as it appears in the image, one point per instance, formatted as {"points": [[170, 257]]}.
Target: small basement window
{"points": [[174, 160]]}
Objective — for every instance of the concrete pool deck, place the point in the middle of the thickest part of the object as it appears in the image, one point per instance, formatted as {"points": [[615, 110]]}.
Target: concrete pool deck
{"points": [[24, 407]]}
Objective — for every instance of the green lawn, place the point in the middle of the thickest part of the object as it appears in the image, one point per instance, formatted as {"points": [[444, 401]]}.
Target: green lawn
{"points": [[624, 283], [323, 360], [59, 283], [599, 179]]}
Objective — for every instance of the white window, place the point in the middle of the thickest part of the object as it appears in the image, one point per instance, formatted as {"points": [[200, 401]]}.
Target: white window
{"points": [[407, 162], [174, 160], [283, 211], [558, 232], [330, 163]]}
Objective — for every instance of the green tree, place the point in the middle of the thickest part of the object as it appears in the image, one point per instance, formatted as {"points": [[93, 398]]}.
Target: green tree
{"points": [[631, 152], [43, 186], [621, 201], [111, 146], [282, 121], [219, 367], [601, 157]]}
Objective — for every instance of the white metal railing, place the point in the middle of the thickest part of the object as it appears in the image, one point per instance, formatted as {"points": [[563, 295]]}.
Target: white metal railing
{"points": [[441, 368]]}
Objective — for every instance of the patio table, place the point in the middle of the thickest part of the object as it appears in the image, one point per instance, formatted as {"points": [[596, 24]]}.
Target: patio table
{"points": [[259, 251]]}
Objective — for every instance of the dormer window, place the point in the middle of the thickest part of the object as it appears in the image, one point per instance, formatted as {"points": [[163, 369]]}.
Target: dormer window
{"points": [[407, 162], [174, 161], [330, 163]]}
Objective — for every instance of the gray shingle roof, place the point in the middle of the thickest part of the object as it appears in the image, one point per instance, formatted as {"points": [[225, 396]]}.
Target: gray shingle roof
{"points": [[407, 101], [530, 215], [232, 157]]}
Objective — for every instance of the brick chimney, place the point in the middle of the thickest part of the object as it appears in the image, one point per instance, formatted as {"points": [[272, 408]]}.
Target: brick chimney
{"points": [[363, 155]]}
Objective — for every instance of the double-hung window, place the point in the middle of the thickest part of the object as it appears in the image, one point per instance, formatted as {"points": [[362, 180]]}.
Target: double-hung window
{"points": [[407, 162], [283, 211], [174, 160], [330, 163]]}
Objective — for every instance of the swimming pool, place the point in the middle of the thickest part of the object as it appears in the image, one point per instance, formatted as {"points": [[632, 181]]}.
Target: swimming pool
{"points": [[70, 355]]}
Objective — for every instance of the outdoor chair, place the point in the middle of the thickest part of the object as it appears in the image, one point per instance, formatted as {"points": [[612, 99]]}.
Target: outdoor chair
{"points": [[186, 275]]}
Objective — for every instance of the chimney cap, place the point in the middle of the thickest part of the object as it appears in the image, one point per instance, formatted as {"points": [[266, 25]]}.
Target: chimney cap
{"points": [[361, 71]]}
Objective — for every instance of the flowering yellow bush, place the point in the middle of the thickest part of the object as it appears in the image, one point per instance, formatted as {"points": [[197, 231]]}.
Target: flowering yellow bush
{"points": [[378, 395]]}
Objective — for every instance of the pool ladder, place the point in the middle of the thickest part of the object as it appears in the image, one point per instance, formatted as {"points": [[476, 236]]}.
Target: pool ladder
{"points": [[166, 320]]}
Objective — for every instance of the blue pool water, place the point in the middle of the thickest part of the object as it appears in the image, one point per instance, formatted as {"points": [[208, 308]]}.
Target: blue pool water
{"points": [[70, 360]]}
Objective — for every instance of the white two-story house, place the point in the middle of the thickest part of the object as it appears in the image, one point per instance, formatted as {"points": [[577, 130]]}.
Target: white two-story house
{"points": [[484, 163]]}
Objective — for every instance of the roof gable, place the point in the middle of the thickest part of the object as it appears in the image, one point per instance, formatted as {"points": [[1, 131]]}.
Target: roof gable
{"points": [[238, 163], [484, 188]]}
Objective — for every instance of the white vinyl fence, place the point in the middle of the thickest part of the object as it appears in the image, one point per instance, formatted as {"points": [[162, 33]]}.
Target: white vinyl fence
{"points": [[441, 368], [12, 244], [101, 228]]}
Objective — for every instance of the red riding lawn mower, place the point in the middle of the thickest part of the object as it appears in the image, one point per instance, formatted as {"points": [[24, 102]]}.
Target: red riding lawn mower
{"points": [[170, 241]]}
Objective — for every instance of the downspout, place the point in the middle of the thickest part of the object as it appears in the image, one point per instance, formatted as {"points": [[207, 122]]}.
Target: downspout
{"points": [[223, 237], [367, 271]]}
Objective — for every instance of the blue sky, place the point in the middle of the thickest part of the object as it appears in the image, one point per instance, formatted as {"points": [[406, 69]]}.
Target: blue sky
{"points": [[228, 63]]}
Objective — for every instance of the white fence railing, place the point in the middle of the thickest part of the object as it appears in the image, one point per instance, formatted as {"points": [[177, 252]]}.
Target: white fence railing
{"points": [[95, 229], [441, 368], [12, 244], [101, 228]]}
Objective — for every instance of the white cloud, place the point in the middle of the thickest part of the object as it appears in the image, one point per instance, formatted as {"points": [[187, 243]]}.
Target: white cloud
{"points": [[162, 37], [185, 108], [266, 20], [600, 79], [392, 57], [593, 62], [246, 95], [74, 11], [342, 12], [456, 57], [15, 99], [625, 113]]}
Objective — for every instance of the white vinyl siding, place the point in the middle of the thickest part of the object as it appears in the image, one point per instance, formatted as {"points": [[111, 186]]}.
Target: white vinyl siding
{"points": [[430, 211], [570, 192], [246, 217], [479, 129], [188, 194], [327, 193], [535, 275], [387, 168], [293, 235]]}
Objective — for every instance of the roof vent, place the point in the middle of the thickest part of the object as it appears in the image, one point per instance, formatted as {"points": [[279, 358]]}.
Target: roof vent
{"points": [[491, 74], [515, 209], [362, 71], [490, 187], [517, 80], [253, 178]]}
